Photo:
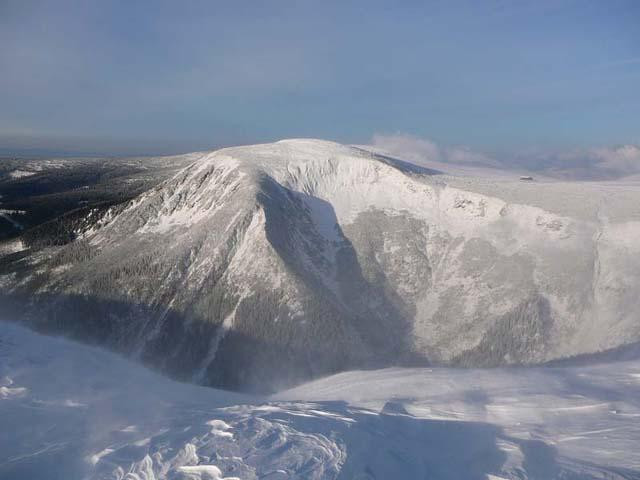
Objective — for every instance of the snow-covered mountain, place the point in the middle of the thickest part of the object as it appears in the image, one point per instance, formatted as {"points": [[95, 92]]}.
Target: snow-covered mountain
{"points": [[260, 266], [71, 411]]}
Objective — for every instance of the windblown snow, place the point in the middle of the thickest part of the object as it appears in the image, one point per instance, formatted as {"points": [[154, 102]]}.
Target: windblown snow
{"points": [[76, 412], [265, 265]]}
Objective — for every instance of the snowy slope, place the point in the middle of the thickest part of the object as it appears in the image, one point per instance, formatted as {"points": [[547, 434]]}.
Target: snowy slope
{"points": [[264, 265], [34, 192], [76, 412]]}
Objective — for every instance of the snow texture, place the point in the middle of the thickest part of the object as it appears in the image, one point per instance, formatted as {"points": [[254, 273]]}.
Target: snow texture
{"points": [[78, 412]]}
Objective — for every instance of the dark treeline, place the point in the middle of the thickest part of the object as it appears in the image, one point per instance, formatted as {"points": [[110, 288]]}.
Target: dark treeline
{"points": [[55, 196]]}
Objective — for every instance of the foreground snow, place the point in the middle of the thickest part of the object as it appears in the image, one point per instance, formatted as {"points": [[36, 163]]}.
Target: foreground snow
{"points": [[70, 411]]}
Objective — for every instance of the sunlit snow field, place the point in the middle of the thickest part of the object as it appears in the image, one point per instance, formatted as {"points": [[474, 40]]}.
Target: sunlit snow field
{"points": [[70, 411]]}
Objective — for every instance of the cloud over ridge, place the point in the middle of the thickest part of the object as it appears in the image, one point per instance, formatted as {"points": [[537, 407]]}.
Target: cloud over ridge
{"points": [[600, 163]]}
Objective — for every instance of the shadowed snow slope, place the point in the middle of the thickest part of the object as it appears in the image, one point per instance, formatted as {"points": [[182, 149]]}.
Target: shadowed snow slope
{"points": [[261, 266], [76, 412]]}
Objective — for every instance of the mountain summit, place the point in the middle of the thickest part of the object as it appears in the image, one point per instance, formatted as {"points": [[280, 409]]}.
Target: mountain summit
{"points": [[256, 267]]}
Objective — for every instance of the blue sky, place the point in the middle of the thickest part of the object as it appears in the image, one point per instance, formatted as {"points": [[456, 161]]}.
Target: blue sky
{"points": [[142, 76]]}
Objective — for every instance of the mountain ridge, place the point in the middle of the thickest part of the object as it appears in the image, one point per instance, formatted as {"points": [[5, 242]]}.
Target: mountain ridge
{"points": [[278, 262]]}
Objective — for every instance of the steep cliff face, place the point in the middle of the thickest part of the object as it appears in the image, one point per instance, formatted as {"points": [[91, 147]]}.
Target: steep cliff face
{"points": [[262, 265]]}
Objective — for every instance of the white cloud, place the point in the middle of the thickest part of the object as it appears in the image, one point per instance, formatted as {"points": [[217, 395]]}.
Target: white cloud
{"points": [[583, 164], [420, 150], [620, 159], [464, 155], [590, 164], [408, 147]]}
